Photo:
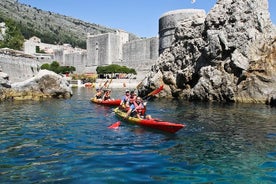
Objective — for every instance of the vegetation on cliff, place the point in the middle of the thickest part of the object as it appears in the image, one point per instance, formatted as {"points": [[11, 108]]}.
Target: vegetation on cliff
{"points": [[13, 37], [50, 27]]}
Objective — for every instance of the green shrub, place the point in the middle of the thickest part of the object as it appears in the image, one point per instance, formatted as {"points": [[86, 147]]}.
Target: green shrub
{"points": [[55, 67], [114, 68]]}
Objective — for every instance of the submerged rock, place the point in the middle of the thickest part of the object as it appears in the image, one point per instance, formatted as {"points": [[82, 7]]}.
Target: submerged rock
{"points": [[45, 84], [231, 56]]}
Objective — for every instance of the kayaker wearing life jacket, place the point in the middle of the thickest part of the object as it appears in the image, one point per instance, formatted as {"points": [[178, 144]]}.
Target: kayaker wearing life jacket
{"points": [[125, 99], [98, 94], [137, 109], [131, 99], [106, 95]]}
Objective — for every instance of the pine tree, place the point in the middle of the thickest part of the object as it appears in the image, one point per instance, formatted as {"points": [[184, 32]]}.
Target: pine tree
{"points": [[13, 37]]}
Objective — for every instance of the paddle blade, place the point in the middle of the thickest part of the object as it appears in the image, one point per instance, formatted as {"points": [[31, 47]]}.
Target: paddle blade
{"points": [[139, 85], [105, 84], [156, 91], [115, 125]]}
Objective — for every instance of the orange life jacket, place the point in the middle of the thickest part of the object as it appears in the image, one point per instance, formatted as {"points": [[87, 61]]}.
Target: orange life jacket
{"points": [[140, 108]]}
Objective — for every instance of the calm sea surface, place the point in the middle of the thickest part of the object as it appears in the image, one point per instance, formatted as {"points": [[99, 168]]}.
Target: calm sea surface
{"points": [[68, 141]]}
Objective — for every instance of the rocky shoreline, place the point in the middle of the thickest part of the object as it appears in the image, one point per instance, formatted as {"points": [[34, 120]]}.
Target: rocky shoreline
{"points": [[45, 84]]}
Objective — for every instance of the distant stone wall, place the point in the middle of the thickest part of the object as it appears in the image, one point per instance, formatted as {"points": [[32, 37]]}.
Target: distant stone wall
{"points": [[30, 47], [140, 54], [114, 54], [58, 55], [78, 60], [19, 68], [103, 49], [64, 54], [112, 48]]}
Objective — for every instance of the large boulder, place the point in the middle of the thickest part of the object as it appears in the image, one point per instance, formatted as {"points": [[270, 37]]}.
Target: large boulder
{"points": [[231, 56], [46, 84]]}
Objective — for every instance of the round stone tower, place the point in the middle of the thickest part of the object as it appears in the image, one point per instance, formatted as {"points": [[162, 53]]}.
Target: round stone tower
{"points": [[170, 20]]}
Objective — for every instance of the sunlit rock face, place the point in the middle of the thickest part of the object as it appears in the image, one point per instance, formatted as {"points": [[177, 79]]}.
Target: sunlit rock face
{"points": [[45, 84], [230, 56]]}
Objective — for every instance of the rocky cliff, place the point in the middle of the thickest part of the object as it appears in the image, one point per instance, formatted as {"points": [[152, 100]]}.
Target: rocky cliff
{"points": [[230, 56]]}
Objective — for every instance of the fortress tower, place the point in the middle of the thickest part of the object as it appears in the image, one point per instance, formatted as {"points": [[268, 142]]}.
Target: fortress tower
{"points": [[105, 49], [171, 20]]}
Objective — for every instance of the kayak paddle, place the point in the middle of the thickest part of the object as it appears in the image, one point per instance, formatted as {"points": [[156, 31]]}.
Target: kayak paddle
{"points": [[115, 125], [154, 92]]}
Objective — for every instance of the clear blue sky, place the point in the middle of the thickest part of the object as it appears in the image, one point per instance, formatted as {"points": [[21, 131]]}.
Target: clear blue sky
{"points": [[139, 17]]}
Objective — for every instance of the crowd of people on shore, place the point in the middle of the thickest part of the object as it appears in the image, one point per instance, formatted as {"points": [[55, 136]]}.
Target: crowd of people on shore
{"points": [[131, 103]]}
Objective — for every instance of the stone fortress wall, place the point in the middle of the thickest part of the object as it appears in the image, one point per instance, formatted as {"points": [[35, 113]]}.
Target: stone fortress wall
{"points": [[141, 54], [116, 48], [103, 49], [17, 65]]}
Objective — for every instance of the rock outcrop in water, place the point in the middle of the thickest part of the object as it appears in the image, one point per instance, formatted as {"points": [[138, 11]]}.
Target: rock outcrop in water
{"points": [[45, 84], [4, 79], [230, 56]]}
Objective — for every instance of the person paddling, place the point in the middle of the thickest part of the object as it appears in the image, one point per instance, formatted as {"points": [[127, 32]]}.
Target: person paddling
{"points": [[125, 99], [131, 99], [137, 109], [98, 94], [106, 95]]}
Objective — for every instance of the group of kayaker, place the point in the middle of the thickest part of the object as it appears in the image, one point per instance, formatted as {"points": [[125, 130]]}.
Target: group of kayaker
{"points": [[133, 105], [131, 108], [103, 94], [130, 103]]}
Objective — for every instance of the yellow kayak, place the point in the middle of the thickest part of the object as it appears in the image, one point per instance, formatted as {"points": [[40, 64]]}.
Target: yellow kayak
{"points": [[151, 123]]}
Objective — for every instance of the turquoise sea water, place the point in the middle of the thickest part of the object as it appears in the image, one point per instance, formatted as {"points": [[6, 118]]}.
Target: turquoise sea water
{"points": [[68, 141]]}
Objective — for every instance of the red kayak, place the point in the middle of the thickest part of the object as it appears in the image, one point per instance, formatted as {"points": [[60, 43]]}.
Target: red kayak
{"points": [[151, 123], [110, 102]]}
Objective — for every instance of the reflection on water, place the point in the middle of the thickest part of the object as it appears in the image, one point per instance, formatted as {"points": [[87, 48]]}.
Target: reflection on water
{"points": [[67, 141]]}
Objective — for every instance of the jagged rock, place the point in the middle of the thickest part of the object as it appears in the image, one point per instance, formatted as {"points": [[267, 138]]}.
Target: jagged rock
{"points": [[213, 85], [45, 84], [231, 56]]}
